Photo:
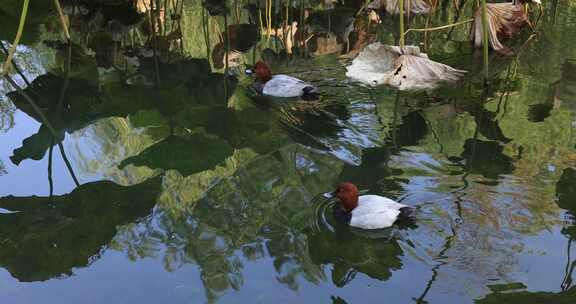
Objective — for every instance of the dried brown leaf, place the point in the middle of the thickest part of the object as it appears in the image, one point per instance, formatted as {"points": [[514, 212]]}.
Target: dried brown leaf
{"points": [[504, 21]]}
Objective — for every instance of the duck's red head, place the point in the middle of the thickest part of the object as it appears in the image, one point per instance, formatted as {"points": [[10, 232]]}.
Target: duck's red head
{"points": [[348, 195], [262, 71]]}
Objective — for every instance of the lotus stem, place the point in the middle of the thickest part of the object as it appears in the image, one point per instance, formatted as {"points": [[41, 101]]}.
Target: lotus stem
{"points": [[227, 44], [50, 181], [68, 165], [485, 36], [261, 23], [285, 31], [268, 18], [62, 19], [237, 10], [429, 29], [32, 104], [206, 29], [401, 9], [8, 64]]}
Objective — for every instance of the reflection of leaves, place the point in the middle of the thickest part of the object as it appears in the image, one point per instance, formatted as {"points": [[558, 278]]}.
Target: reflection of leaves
{"points": [[486, 158], [38, 13], [190, 84], [488, 125], [216, 7], [566, 193], [48, 238], [188, 155], [45, 90], [373, 172], [35, 146], [412, 130], [522, 297]]}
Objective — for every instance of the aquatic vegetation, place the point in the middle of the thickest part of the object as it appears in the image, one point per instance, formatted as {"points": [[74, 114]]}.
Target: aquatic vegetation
{"points": [[504, 20], [406, 69]]}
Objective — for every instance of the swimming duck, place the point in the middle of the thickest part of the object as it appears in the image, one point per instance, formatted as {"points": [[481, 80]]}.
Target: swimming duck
{"points": [[368, 211], [281, 85]]}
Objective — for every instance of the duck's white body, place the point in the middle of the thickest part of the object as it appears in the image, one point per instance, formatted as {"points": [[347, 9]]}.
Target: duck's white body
{"points": [[375, 212], [285, 86]]}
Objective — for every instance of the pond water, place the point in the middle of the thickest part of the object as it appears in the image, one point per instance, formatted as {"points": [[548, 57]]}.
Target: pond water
{"points": [[170, 181]]}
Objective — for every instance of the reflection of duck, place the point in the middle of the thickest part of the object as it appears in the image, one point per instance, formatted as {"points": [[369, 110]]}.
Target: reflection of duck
{"points": [[281, 85], [368, 211], [347, 254]]}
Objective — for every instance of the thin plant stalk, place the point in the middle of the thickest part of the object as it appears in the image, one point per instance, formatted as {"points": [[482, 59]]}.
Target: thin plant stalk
{"points": [[62, 18], [206, 29], [227, 44], [401, 8], [269, 18], [485, 36], [66, 78], [8, 64], [68, 165], [32, 104], [429, 29]]}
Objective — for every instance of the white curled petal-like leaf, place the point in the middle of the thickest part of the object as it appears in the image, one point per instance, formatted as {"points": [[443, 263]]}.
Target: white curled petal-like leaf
{"points": [[408, 69], [420, 73], [372, 62]]}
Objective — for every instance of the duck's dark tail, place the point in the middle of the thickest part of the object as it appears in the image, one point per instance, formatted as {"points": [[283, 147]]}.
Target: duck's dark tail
{"points": [[406, 217], [310, 93]]}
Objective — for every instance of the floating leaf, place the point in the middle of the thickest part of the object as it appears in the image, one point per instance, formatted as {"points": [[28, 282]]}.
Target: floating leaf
{"points": [[406, 69], [504, 20]]}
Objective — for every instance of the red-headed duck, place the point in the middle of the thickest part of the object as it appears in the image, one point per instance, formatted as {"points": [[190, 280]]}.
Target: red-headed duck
{"points": [[281, 85], [368, 211]]}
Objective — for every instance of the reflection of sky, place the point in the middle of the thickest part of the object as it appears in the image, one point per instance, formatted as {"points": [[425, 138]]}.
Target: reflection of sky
{"points": [[30, 177]]}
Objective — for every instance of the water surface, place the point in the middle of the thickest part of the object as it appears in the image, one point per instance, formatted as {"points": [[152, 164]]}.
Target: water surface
{"points": [[195, 190]]}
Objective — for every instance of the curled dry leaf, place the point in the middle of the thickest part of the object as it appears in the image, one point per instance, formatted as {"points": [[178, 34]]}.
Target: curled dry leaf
{"points": [[504, 20], [417, 7], [406, 69]]}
